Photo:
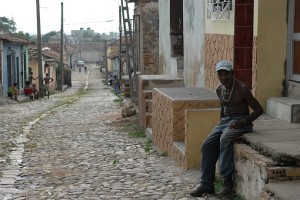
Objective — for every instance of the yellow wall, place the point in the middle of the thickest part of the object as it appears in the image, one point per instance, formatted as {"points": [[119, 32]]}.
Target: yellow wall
{"points": [[271, 47], [110, 50]]}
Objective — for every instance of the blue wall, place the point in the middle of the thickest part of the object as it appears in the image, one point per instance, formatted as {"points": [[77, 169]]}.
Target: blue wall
{"points": [[16, 71]]}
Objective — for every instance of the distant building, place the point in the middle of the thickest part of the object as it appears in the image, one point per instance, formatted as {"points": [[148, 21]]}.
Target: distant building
{"points": [[79, 34]]}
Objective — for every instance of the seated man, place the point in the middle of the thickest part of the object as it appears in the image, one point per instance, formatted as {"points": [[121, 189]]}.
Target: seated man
{"points": [[13, 92], [235, 99]]}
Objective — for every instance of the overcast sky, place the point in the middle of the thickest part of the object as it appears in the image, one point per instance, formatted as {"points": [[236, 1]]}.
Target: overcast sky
{"points": [[99, 15]]}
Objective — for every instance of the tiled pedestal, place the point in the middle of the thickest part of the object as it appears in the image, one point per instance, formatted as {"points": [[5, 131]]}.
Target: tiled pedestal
{"points": [[169, 107]]}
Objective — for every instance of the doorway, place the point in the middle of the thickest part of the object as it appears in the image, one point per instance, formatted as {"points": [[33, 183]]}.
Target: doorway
{"points": [[293, 61]]}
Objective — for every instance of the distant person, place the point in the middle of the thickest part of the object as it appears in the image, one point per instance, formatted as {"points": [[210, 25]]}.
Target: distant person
{"points": [[35, 91], [13, 92], [30, 78], [85, 68], [47, 80], [116, 85], [79, 68]]}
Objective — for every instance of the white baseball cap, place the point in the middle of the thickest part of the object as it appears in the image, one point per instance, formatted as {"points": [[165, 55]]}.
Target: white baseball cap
{"points": [[224, 65]]}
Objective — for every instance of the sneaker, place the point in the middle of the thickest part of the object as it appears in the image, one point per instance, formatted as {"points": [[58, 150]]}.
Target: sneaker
{"points": [[200, 191]]}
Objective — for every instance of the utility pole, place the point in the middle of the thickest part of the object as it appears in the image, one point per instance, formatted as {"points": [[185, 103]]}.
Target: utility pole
{"points": [[62, 49], [105, 59], [120, 29], [39, 48]]}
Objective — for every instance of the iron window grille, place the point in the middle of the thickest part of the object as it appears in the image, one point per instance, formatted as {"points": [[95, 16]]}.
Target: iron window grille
{"points": [[218, 9]]}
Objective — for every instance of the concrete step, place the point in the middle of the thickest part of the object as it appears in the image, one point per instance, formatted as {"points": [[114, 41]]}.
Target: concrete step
{"points": [[256, 172], [148, 120], [286, 190], [148, 105], [147, 94], [284, 108]]}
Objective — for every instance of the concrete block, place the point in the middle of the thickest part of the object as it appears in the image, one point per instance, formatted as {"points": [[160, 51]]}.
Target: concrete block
{"points": [[292, 172], [198, 124], [146, 83], [168, 117], [284, 108]]}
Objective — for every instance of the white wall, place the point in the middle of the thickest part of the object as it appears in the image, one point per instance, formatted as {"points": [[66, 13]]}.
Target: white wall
{"points": [[194, 42], [164, 38]]}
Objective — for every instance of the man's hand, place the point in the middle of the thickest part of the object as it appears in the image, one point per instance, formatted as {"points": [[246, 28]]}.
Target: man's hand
{"points": [[238, 124]]}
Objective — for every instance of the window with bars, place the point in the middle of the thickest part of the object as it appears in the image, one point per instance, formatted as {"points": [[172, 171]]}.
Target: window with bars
{"points": [[219, 9]]}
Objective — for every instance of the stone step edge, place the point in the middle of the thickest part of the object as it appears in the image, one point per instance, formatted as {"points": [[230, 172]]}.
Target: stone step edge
{"points": [[274, 171]]}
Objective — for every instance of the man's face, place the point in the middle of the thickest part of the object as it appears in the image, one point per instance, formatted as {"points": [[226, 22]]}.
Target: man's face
{"points": [[225, 77]]}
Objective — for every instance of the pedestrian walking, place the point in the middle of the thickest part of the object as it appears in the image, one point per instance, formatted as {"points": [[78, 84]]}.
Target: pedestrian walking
{"points": [[47, 80], [116, 83]]}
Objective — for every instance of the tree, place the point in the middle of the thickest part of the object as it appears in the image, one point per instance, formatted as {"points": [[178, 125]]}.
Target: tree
{"points": [[45, 38], [23, 35], [8, 24]]}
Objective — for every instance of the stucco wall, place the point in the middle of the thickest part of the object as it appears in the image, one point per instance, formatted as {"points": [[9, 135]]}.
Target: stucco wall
{"points": [[194, 43], [164, 39], [217, 47], [271, 48]]}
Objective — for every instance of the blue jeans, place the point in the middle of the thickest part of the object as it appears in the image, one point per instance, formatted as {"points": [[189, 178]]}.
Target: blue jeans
{"points": [[116, 87], [219, 144]]}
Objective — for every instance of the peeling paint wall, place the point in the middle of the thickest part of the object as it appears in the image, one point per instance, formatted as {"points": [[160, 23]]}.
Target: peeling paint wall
{"points": [[164, 37], [194, 43]]}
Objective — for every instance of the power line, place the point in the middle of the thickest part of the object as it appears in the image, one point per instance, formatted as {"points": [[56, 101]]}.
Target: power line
{"points": [[70, 24]]}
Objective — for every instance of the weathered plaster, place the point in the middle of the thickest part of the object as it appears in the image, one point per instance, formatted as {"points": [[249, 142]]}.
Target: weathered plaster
{"points": [[164, 37], [194, 43]]}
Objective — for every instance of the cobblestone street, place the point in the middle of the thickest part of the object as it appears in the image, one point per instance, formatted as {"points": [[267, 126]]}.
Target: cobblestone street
{"points": [[67, 147]]}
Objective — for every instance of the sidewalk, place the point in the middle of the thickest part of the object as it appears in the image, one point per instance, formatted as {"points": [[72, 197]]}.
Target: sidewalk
{"points": [[4, 99]]}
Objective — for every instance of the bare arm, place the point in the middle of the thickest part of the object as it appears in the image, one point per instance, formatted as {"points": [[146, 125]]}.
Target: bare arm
{"points": [[255, 105]]}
